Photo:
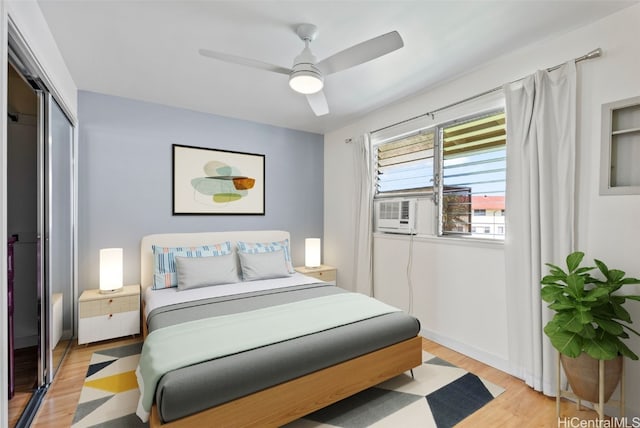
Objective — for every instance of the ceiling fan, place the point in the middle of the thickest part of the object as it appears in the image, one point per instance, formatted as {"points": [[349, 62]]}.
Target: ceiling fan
{"points": [[307, 75]]}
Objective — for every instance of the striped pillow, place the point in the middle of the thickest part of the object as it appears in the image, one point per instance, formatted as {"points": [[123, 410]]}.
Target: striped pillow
{"points": [[164, 261], [268, 247]]}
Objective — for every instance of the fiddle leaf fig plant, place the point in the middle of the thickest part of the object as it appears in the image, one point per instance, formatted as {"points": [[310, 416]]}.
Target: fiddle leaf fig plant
{"points": [[588, 317]]}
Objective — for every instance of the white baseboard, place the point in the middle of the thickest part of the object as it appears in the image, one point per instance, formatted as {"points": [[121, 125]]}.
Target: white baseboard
{"points": [[470, 351]]}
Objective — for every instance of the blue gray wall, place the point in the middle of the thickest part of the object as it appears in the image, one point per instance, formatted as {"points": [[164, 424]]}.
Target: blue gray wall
{"points": [[125, 177]]}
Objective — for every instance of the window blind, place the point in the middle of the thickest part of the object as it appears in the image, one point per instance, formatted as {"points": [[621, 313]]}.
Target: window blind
{"points": [[474, 176], [405, 164]]}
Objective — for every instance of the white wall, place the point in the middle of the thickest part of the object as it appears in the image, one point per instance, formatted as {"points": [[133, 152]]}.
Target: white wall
{"points": [[465, 308], [447, 282]]}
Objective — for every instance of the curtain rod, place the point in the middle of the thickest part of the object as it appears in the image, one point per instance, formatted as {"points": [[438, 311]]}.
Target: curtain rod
{"points": [[593, 54]]}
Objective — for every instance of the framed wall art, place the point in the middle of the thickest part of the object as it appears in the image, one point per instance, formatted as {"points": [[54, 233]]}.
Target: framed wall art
{"points": [[210, 181]]}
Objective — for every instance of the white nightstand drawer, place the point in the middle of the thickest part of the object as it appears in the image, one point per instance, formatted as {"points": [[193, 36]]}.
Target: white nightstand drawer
{"points": [[109, 305], [102, 327]]}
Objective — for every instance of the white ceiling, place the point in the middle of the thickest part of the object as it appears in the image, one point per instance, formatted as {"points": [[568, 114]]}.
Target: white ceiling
{"points": [[148, 50]]}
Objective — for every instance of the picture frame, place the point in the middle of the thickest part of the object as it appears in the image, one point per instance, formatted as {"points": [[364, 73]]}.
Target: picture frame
{"points": [[210, 181]]}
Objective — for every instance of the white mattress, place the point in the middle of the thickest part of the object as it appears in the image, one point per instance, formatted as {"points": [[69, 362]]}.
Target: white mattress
{"points": [[168, 296]]}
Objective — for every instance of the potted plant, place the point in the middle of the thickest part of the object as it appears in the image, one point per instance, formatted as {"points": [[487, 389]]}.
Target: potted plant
{"points": [[589, 322]]}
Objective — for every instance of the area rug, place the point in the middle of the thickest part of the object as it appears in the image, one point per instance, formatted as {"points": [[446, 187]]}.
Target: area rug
{"points": [[439, 395], [110, 392]]}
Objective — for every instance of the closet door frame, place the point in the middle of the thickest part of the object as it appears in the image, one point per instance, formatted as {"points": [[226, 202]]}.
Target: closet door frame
{"points": [[43, 324], [59, 206], [17, 50], [23, 60]]}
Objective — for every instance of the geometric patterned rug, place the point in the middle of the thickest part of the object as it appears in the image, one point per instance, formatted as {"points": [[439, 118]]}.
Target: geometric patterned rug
{"points": [[439, 396], [110, 392]]}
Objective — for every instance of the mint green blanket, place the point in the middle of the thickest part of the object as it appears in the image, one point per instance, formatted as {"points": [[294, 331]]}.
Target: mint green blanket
{"points": [[192, 342]]}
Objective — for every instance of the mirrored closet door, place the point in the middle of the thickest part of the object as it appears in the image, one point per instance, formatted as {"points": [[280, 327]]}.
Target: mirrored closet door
{"points": [[59, 245], [41, 230]]}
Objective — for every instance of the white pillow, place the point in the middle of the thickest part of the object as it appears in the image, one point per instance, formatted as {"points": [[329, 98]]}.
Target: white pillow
{"points": [[194, 272], [272, 264]]}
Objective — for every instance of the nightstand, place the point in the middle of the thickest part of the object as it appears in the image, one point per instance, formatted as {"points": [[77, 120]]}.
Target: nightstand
{"points": [[322, 272], [107, 316]]}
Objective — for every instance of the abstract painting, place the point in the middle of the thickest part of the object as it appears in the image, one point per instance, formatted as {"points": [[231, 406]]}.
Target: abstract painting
{"points": [[212, 181]]}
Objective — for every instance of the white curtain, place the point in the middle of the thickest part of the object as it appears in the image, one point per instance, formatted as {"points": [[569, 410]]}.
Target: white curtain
{"points": [[541, 128], [363, 221]]}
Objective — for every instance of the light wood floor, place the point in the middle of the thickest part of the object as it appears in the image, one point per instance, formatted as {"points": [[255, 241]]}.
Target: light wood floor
{"points": [[519, 406], [25, 372], [17, 405]]}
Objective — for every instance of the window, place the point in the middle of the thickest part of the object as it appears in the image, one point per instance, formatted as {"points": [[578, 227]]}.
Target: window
{"points": [[461, 163], [405, 164], [473, 175]]}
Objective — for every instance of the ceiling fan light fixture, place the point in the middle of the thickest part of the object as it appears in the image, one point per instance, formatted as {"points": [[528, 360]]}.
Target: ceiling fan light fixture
{"points": [[306, 76], [306, 80], [306, 83]]}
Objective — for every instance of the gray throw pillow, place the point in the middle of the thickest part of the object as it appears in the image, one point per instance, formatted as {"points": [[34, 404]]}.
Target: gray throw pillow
{"points": [[268, 265], [194, 272]]}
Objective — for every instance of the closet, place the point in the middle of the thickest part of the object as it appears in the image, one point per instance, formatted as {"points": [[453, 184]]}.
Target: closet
{"points": [[41, 235]]}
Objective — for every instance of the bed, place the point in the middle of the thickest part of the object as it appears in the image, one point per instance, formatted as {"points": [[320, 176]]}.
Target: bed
{"points": [[269, 375]]}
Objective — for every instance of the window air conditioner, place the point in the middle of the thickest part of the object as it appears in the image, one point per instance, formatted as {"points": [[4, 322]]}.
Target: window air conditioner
{"points": [[396, 216]]}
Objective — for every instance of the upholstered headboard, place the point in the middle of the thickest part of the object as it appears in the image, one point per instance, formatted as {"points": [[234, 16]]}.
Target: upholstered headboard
{"points": [[195, 239]]}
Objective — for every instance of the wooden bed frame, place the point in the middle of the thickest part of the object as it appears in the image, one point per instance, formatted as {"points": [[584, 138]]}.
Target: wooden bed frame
{"points": [[288, 401]]}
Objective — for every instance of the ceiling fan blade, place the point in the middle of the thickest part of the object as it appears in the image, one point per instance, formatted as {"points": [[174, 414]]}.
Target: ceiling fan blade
{"points": [[362, 52], [244, 61], [318, 103]]}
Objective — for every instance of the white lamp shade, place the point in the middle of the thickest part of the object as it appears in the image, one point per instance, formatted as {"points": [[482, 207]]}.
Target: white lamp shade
{"points": [[312, 252], [111, 273]]}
